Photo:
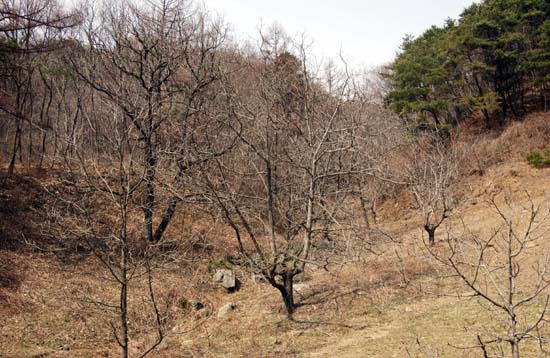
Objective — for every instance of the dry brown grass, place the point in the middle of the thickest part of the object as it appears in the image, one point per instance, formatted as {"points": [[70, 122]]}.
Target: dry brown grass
{"points": [[370, 307], [513, 142]]}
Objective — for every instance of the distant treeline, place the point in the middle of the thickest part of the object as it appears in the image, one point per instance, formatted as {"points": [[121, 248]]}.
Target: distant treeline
{"points": [[494, 61]]}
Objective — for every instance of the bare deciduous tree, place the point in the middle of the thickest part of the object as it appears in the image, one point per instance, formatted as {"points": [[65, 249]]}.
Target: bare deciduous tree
{"points": [[298, 153], [156, 64], [29, 29], [100, 220], [431, 171], [507, 269]]}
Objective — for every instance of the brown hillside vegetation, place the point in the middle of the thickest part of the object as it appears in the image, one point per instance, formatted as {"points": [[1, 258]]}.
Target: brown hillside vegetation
{"points": [[385, 302], [170, 189]]}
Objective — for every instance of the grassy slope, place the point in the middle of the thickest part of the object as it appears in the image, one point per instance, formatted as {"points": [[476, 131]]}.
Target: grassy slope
{"points": [[359, 309]]}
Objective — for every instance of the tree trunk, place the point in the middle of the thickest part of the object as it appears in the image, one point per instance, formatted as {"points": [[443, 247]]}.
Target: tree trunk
{"points": [[150, 196], [16, 144], [43, 150], [287, 291], [431, 234], [523, 106], [486, 117], [124, 313], [515, 349], [270, 206], [513, 109], [504, 109], [123, 340], [436, 118], [543, 92], [166, 218], [364, 211], [458, 115], [373, 212]]}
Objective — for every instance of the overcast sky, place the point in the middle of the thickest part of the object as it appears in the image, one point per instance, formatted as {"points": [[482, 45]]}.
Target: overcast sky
{"points": [[369, 32]]}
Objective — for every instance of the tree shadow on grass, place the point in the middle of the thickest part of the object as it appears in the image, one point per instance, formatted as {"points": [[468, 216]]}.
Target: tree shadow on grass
{"points": [[317, 297], [320, 297]]}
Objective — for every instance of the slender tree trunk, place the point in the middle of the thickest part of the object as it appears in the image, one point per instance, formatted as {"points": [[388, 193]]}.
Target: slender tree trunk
{"points": [[373, 212], [504, 109], [123, 340], [150, 195], [309, 221], [515, 350], [431, 234], [16, 145], [30, 144], [483, 348], [458, 115], [166, 218], [514, 345], [436, 118], [150, 165], [287, 291], [43, 149], [514, 342], [364, 211], [543, 92], [270, 208], [512, 107], [326, 223], [523, 106], [486, 117]]}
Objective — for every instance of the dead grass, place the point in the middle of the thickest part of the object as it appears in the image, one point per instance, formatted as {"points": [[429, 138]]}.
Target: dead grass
{"points": [[368, 308]]}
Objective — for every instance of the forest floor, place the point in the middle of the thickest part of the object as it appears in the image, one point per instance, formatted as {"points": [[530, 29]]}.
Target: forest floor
{"points": [[370, 305]]}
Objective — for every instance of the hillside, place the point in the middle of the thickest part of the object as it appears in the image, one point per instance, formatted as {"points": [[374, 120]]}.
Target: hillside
{"points": [[169, 188], [368, 305]]}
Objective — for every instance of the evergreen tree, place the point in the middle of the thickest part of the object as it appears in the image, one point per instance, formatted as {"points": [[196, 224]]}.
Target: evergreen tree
{"points": [[494, 60]]}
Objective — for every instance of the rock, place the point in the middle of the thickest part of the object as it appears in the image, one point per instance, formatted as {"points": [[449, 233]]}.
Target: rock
{"points": [[227, 279], [218, 276], [408, 309], [226, 309], [66, 347]]}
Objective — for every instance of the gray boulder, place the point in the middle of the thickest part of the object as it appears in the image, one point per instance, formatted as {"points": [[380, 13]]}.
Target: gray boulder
{"points": [[227, 279]]}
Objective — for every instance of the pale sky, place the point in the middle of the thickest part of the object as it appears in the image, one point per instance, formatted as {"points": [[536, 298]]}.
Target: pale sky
{"points": [[369, 32]]}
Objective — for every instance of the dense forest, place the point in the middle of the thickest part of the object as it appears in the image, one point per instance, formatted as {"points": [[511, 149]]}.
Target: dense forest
{"points": [[145, 151], [493, 62]]}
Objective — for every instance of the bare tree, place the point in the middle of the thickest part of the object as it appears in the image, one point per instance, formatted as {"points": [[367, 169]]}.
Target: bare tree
{"points": [[385, 138], [28, 30], [137, 124], [156, 64], [283, 188], [100, 219], [431, 171], [507, 269]]}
